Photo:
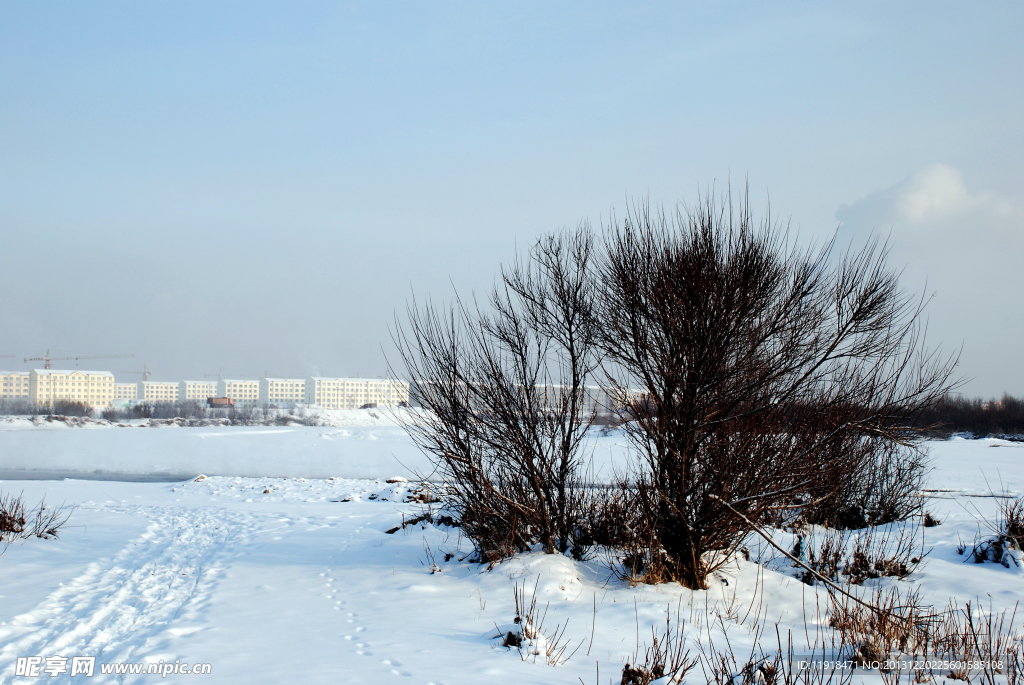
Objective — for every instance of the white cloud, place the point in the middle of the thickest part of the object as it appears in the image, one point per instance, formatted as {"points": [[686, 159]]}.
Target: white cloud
{"points": [[968, 245], [936, 193]]}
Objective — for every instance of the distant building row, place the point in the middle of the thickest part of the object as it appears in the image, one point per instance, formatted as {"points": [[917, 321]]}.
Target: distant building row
{"points": [[98, 389]]}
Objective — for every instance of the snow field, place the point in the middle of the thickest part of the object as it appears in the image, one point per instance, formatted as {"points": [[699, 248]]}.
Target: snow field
{"points": [[281, 580]]}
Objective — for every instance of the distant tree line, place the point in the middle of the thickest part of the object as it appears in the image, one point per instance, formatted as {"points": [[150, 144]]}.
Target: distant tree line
{"points": [[190, 411], [955, 414]]}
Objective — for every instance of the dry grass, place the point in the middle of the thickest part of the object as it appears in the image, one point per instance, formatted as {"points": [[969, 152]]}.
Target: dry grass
{"points": [[17, 522], [895, 622], [845, 556], [1011, 521], [530, 638], [1006, 533], [666, 656], [774, 664], [988, 638], [980, 645]]}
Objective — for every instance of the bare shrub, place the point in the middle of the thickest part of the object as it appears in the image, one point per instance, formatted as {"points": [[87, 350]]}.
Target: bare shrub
{"points": [[48, 521], [187, 409], [504, 389], [245, 416], [112, 414], [143, 410], [883, 487], [769, 377], [71, 408], [12, 516], [20, 407]]}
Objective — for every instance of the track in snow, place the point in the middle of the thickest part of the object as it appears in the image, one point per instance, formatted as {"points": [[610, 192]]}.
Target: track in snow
{"points": [[112, 609]]}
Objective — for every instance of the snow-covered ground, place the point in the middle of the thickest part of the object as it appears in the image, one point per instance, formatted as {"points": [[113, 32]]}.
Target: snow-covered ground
{"points": [[294, 579]]}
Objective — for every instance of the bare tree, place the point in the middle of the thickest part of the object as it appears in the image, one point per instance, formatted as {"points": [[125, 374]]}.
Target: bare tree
{"points": [[760, 377], [505, 391]]}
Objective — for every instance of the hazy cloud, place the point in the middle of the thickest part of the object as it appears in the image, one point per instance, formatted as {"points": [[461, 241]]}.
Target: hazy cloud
{"points": [[933, 195], [965, 244]]}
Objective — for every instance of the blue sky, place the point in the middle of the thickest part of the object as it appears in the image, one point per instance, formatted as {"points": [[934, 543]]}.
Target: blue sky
{"points": [[259, 186]]}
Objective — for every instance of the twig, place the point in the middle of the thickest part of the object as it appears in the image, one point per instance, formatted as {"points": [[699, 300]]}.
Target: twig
{"points": [[593, 622]]}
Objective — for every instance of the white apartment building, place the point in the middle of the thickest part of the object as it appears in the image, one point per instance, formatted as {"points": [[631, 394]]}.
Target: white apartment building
{"points": [[244, 393], [13, 386], [596, 400], [126, 391], [282, 391], [353, 393], [196, 391], [94, 388], [153, 392]]}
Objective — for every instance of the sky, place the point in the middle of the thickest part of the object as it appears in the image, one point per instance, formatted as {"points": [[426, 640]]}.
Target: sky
{"points": [[258, 188]]}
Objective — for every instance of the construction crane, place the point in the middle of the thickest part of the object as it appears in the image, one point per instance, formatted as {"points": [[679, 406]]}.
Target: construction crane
{"points": [[46, 358], [145, 373]]}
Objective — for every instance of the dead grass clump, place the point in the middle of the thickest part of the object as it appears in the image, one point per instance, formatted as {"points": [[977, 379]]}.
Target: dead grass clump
{"points": [[529, 636], [826, 555], [779, 664], [666, 657], [18, 523], [894, 557], [1015, 661], [857, 556], [1007, 534], [978, 645], [988, 640], [893, 622], [1011, 520]]}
